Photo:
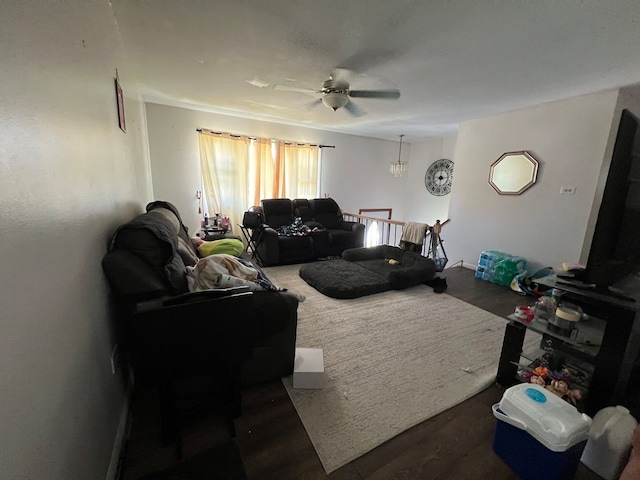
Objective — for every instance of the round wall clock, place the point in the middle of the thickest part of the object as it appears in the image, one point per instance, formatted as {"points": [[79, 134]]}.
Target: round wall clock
{"points": [[439, 177]]}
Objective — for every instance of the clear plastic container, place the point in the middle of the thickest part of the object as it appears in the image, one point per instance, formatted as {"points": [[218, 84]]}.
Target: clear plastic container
{"points": [[609, 443]]}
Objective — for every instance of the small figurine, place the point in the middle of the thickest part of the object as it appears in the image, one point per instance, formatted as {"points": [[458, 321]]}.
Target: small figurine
{"points": [[542, 372], [558, 387], [537, 380], [573, 396]]}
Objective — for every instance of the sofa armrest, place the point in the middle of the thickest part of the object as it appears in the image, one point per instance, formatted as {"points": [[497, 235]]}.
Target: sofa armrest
{"points": [[267, 231], [186, 336], [204, 295], [274, 355], [191, 337], [268, 248], [351, 226]]}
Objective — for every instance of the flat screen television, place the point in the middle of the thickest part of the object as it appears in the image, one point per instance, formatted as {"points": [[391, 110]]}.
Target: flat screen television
{"points": [[615, 247]]}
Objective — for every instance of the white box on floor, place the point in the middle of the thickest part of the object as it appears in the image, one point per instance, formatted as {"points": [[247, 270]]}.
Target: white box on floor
{"points": [[308, 369]]}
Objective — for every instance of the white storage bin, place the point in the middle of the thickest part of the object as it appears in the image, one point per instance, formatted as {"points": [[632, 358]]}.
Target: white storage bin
{"points": [[308, 369]]}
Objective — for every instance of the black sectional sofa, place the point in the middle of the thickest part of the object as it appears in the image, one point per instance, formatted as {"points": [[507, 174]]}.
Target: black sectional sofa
{"points": [[327, 235], [146, 269], [191, 344]]}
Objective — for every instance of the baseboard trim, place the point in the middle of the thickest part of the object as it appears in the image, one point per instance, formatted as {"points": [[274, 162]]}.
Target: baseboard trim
{"points": [[463, 264], [113, 473]]}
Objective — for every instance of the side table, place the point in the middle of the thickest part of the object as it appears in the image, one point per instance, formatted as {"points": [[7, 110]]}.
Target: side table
{"points": [[253, 236], [211, 234]]}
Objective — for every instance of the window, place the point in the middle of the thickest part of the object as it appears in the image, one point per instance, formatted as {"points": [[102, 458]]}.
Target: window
{"points": [[238, 171]]}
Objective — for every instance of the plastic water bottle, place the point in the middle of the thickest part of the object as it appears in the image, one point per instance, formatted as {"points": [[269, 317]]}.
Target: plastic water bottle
{"points": [[609, 441], [520, 264], [488, 274], [501, 275]]}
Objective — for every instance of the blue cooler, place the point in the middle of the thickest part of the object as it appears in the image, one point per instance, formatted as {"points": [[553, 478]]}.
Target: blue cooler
{"points": [[539, 435]]}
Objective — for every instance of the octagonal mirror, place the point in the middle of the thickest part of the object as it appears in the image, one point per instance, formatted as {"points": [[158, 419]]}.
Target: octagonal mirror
{"points": [[513, 173]]}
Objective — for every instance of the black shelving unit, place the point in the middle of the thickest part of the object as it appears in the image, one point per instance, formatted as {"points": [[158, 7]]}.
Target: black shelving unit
{"points": [[608, 340]]}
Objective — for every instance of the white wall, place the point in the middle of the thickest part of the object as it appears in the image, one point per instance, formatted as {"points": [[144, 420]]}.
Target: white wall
{"points": [[569, 139], [355, 173], [69, 176], [419, 204]]}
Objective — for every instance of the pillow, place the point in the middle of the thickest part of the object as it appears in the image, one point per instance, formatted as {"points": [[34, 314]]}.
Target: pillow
{"points": [[230, 246]]}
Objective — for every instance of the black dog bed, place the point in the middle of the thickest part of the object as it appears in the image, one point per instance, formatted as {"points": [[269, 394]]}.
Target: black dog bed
{"points": [[342, 279]]}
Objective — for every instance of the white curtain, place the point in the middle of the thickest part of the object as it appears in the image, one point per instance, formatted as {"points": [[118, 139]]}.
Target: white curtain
{"points": [[300, 171], [225, 166], [238, 172]]}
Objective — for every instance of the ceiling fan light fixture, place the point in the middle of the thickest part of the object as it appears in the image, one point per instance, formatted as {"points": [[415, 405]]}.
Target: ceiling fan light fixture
{"points": [[398, 168], [335, 100]]}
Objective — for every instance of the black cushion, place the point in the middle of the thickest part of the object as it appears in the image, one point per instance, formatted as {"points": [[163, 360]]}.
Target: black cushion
{"points": [[327, 212], [411, 269], [294, 248], [341, 279], [302, 209], [154, 237], [369, 253], [365, 271], [277, 212]]}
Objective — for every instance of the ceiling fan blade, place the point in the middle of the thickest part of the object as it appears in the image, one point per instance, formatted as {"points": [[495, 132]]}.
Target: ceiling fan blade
{"points": [[392, 94], [286, 88], [353, 109]]}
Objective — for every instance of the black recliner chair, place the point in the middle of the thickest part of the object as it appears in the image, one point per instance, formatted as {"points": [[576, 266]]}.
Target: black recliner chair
{"points": [[277, 249], [342, 234]]}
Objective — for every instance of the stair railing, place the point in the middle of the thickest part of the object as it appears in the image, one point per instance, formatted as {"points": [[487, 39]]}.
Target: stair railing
{"points": [[384, 231]]}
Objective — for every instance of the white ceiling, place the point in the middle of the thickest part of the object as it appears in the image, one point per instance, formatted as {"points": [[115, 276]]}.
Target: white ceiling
{"points": [[451, 60]]}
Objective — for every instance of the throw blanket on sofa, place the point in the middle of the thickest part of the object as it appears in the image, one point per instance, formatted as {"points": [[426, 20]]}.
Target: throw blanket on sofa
{"points": [[296, 229], [224, 271]]}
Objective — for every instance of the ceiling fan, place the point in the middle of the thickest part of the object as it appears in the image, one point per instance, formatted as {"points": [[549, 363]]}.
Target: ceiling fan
{"points": [[337, 94]]}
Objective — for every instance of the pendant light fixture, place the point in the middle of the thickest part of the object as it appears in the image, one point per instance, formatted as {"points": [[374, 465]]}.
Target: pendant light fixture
{"points": [[398, 168]]}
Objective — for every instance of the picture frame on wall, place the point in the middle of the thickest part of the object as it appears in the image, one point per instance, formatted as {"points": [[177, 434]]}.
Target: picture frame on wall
{"points": [[120, 102]]}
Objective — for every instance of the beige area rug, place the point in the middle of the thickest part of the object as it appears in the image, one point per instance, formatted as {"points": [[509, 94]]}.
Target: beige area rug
{"points": [[392, 360]]}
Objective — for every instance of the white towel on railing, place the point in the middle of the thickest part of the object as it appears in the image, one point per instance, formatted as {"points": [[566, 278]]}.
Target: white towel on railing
{"points": [[414, 232]]}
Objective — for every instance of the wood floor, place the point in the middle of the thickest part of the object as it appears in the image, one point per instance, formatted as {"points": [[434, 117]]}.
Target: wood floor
{"points": [[456, 444]]}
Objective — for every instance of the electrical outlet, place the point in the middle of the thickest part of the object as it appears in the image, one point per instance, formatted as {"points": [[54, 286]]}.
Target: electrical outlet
{"points": [[567, 190], [115, 357]]}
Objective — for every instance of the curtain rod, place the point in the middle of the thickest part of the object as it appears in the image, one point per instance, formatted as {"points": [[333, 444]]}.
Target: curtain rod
{"points": [[200, 130]]}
